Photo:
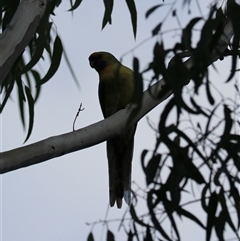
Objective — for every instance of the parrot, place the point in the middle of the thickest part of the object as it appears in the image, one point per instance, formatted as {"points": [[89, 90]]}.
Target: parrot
{"points": [[115, 91]]}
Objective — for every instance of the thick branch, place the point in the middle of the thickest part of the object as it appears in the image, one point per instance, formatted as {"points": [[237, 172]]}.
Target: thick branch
{"points": [[73, 141], [98, 132], [19, 32]]}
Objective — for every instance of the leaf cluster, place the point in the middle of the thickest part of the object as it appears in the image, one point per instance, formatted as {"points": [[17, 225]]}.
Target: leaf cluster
{"points": [[45, 42], [23, 73], [196, 161], [208, 159]]}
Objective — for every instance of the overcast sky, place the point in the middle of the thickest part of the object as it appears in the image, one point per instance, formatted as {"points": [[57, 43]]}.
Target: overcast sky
{"points": [[54, 200]]}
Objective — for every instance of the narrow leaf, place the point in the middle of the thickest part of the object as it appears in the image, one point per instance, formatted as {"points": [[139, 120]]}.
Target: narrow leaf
{"points": [[234, 193], [219, 227], [135, 217], [207, 129], [155, 220], [152, 168], [187, 33], [21, 99], [37, 54], [168, 208], [108, 12], [110, 236], [37, 79], [56, 59], [31, 111], [135, 232], [156, 29], [203, 197], [144, 152], [229, 121], [133, 12], [174, 12], [211, 218], [208, 92], [189, 215], [137, 98], [28, 80], [90, 237], [152, 9], [148, 235], [199, 110], [75, 5], [9, 89], [225, 211]]}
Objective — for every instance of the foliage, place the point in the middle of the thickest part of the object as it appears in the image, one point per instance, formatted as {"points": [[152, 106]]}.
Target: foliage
{"points": [[45, 42], [201, 161], [27, 79], [196, 159]]}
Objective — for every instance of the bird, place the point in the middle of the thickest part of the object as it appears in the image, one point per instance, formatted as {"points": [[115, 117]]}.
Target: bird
{"points": [[115, 91]]}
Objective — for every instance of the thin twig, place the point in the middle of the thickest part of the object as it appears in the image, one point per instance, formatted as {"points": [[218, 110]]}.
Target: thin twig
{"points": [[79, 110]]}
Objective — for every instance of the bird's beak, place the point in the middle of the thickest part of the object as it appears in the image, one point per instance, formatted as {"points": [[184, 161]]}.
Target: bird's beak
{"points": [[91, 63]]}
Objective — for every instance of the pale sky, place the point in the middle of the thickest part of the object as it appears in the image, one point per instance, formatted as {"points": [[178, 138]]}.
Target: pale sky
{"points": [[54, 200]]}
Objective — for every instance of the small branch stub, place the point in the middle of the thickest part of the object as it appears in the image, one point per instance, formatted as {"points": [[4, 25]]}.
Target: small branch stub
{"points": [[79, 110]]}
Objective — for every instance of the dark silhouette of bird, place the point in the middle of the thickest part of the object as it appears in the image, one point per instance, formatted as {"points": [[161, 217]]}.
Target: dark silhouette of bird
{"points": [[116, 89]]}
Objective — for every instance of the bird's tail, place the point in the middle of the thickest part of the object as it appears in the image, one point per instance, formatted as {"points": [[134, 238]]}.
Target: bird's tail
{"points": [[120, 168]]}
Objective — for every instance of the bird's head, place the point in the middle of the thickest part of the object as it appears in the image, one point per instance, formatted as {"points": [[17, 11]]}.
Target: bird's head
{"points": [[100, 60]]}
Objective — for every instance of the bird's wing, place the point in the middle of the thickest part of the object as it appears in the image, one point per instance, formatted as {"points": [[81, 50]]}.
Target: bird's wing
{"points": [[101, 94], [108, 99]]}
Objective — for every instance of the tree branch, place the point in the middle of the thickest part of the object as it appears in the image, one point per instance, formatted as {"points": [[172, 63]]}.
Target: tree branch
{"points": [[19, 32], [91, 135]]}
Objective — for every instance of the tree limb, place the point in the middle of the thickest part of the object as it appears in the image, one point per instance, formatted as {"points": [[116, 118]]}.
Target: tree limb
{"points": [[19, 32], [91, 135]]}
